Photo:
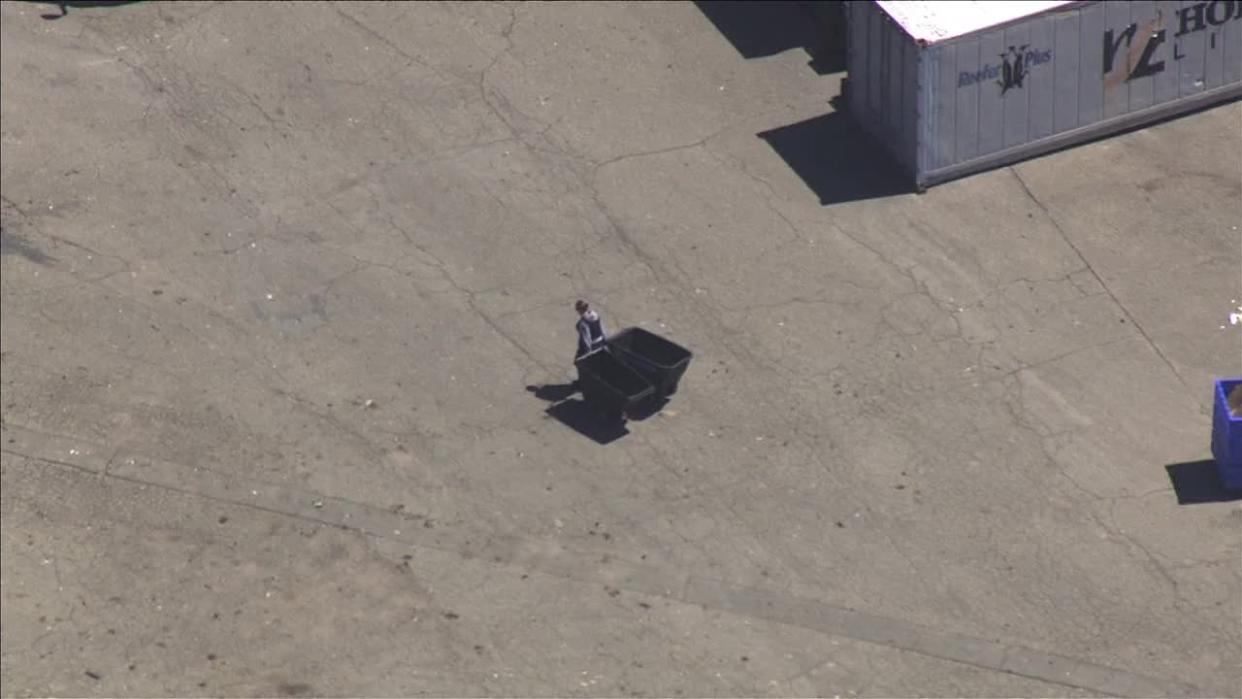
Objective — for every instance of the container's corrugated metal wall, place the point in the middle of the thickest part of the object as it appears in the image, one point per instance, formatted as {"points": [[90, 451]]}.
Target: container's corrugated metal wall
{"points": [[883, 96], [998, 91]]}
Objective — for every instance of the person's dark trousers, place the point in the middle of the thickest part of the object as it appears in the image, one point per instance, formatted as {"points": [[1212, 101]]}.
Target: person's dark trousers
{"points": [[582, 350]]}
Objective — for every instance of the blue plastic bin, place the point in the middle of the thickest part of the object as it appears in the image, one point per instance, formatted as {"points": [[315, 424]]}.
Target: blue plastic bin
{"points": [[1227, 436]]}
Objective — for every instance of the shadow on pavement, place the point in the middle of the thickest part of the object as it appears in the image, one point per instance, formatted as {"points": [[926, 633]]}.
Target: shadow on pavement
{"points": [[553, 392], [15, 244], [647, 408], [581, 418], [838, 160], [1198, 482], [578, 416], [758, 29], [64, 6]]}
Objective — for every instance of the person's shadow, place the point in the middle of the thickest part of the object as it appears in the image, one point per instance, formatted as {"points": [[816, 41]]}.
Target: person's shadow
{"points": [[553, 392], [575, 414]]}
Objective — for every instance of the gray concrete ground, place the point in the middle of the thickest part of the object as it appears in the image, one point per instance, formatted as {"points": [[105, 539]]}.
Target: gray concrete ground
{"points": [[276, 278]]}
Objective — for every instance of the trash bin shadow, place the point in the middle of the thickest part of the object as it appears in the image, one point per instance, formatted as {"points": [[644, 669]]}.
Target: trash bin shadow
{"points": [[1198, 482], [645, 409], [575, 414], [837, 160]]}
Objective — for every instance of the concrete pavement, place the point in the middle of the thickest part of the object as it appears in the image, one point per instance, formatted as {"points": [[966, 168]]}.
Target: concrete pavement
{"points": [[276, 278]]}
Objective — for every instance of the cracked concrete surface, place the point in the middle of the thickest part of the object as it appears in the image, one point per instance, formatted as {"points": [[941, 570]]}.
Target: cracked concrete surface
{"points": [[274, 283]]}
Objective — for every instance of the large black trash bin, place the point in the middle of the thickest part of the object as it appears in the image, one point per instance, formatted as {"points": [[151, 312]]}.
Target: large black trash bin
{"points": [[609, 385], [660, 360]]}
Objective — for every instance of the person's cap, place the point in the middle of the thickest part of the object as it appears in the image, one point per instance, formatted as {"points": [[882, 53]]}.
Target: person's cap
{"points": [[581, 306]]}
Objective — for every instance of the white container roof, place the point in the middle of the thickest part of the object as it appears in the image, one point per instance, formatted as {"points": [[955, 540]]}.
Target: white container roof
{"points": [[940, 20]]}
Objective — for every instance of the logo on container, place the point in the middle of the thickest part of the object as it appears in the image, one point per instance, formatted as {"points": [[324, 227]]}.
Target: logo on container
{"points": [[1012, 70], [1134, 52]]}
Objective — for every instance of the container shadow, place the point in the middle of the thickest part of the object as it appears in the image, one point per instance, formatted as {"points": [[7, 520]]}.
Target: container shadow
{"points": [[766, 28], [575, 414], [1198, 482], [837, 159]]}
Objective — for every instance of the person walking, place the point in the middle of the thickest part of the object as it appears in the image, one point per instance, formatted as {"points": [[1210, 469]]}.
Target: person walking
{"points": [[590, 330]]}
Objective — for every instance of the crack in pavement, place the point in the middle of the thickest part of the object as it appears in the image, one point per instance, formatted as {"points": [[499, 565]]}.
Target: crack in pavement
{"points": [[471, 301], [442, 268], [1065, 236], [1015, 406], [551, 558], [397, 49], [659, 151]]}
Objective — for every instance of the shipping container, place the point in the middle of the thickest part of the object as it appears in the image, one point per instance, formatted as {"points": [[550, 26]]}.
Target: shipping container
{"points": [[951, 88]]}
